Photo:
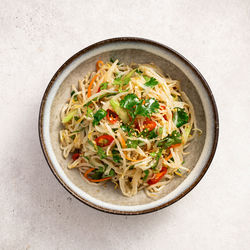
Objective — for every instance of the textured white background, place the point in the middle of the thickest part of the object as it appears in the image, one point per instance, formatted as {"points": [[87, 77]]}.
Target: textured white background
{"points": [[36, 37]]}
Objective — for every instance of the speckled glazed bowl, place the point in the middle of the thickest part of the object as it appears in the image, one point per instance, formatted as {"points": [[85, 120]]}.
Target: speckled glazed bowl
{"points": [[129, 50]]}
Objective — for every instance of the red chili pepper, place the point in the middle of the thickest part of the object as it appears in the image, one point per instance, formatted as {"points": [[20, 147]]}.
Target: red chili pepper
{"points": [[158, 177], [163, 108], [112, 116], [104, 140], [75, 156], [149, 124]]}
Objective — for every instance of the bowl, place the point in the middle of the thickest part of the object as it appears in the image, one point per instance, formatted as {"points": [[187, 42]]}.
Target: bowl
{"points": [[128, 50]]}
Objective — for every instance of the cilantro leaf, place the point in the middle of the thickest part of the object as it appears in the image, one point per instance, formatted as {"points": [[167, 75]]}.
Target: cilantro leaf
{"points": [[123, 80], [132, 143], [146, 172], [101, 152], [136, 106], [98, 116], [116, 156], [129, 101], [169, 140], [104, 85], [111, 173], [148, 134], [155, 162], [180, 117], [151, 83], [152, 134], [150, 106], [128, 129], [97, 173]]}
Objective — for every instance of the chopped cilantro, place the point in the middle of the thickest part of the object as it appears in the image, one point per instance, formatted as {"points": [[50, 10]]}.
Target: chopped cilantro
{"points": [[116, 156], [123, 80], [146, 172], [139, 107], [99, 173], [101, 152], [169, 140], [98, 116], [148, 134], [132, 143], [151, 83], [180, 117]]}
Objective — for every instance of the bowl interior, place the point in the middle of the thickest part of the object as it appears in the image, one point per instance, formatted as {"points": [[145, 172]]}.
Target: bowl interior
{"points": [[169, 66]]}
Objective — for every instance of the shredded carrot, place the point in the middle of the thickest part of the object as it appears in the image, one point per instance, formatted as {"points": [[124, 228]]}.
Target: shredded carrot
{"points": [[92, 180], [168, 157], [122, 141], [90, 85], [99, 64], [175, 145]]}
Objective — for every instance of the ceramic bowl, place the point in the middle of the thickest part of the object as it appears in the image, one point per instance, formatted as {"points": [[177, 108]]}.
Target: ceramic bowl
{"points": [[128, 50]]}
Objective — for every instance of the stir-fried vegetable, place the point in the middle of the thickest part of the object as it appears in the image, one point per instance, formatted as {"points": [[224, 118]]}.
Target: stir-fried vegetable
{"points": [[128, 125]]}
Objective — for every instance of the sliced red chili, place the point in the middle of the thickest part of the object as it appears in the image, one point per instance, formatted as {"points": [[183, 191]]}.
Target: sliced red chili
{"points": [[157, 177], [163, 108], [112, 116], [149, 124], [104, 140], [75, 156]]}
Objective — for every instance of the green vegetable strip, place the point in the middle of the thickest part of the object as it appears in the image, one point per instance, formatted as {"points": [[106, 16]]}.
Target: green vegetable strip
{"points": [[69, 116], [120, 111]]}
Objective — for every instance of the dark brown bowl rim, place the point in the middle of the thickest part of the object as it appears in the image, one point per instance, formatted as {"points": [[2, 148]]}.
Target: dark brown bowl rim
{"points": [[159, 45]]}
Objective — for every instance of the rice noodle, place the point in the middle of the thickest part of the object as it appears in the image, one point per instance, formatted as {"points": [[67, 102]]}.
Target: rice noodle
{"points": [[131, 158]]}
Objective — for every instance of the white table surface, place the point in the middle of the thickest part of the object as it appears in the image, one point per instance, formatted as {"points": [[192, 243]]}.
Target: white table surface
{"points": [[36, 37]]}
